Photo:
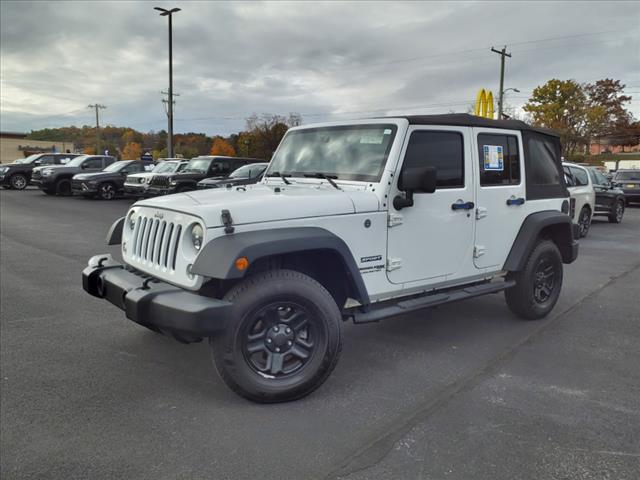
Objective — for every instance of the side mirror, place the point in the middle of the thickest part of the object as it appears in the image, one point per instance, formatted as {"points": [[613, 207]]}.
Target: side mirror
{"points": [[38, 162], [414, 180]]}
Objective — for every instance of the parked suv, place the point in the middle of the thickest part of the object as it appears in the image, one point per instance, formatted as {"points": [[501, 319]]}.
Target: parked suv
{"points": [[108, 183], [610, 200], [136, 183], [583, 196], [245, 175], [17, 175], [360, 220], [197, 169], [629, 182], [56, 179]]}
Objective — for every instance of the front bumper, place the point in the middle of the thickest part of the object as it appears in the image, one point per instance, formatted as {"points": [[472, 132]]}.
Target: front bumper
{"points": [[83, 188], [150, 302], [135, 188], [156, 191], [42, 182]]}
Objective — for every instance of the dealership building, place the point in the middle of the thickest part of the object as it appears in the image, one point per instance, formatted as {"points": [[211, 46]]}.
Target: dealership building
{"points": [[15, 145]]}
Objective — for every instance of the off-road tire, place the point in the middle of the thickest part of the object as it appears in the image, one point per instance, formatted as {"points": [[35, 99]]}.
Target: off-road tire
{"points": [[261, 294], [523, 298], [63, 187], [107, 191], [617, 212], [19, 181], [584, 221]]}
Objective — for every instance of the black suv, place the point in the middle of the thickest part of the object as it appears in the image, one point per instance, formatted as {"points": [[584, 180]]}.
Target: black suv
{"points": [[197, 169], [610, 200], [56, 179], [109, 182], [244, 175], [629, 182], [17, 175]]}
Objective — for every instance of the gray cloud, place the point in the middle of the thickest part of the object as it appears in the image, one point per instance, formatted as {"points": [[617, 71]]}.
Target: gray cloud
{"points": [[324, 60]]}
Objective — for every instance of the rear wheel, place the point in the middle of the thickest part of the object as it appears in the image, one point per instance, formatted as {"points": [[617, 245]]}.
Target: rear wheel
{"points": [[584, 221], [538, 284], [617, 212], [63, 187], [19, 182], [107, 191], [284, 340]]}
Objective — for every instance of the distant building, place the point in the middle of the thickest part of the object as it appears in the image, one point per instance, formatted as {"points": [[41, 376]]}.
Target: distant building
{"points": [[611, 145], [15, 145]]}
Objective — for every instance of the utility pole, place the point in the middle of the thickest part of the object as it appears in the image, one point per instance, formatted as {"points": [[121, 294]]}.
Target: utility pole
{"points": [[503, 53], [169, 13], [97, 107], [165, 102]]}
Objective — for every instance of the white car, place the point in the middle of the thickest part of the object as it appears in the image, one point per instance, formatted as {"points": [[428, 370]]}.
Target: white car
{"points": [[583, 196], [136, 184], [360, 221]]}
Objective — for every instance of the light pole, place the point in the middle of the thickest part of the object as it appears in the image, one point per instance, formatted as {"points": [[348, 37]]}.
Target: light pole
{"points": [[169, 13]]}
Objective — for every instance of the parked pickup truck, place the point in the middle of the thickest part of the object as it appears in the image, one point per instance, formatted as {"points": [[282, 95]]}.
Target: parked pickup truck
{"points": [[197, 169], [17, 175], [362, 221]]}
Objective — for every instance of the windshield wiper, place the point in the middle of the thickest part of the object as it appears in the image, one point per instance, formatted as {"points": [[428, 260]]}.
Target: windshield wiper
{"points": [[328, 178], [283, 176]]}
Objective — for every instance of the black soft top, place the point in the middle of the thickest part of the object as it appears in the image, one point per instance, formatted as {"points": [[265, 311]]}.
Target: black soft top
{"points": [[467, 120]]}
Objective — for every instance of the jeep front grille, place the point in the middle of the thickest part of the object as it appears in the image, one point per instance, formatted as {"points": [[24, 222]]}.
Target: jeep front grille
{"points": [[159, 181], [155, 242]]}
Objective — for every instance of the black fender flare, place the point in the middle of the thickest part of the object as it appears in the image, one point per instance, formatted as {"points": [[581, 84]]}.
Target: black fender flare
{"points": [[217, 258], [563, 234], [114, 235]]}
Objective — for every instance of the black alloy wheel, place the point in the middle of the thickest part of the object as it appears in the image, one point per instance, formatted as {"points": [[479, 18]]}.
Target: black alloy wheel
{"points": [[63, 187], [280, 340], [544, 280], [107, 191], [18, 182], [617, 213]]}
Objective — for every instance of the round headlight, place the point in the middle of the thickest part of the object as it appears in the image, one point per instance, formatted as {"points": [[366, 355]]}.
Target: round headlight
{"points": [[197, 235], [132, 220]]}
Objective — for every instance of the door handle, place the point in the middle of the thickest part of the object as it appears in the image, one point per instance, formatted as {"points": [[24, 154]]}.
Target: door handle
{"points": [[460, 205], [515, 201]]}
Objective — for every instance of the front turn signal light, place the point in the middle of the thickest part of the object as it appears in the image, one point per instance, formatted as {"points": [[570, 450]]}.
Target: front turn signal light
{"points": [[242, 263]]}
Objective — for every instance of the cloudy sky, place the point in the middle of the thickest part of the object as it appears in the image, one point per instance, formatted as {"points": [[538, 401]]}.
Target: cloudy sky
{"points": [[333, 60]]}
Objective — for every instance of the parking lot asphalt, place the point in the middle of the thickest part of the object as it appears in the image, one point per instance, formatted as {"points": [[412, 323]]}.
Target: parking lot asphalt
{"points": [[462, 391]]}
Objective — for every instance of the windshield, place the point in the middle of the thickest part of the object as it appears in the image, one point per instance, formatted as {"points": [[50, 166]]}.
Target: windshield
{"points": [[76, 162], [200, 165], [29, 159], [244, 171], [116, 166], [352, 152], [628, 175], [164, 167]]}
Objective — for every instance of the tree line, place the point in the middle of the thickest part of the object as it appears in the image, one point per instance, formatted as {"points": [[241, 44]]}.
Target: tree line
{"points": [[259, 139], [582, 113]]}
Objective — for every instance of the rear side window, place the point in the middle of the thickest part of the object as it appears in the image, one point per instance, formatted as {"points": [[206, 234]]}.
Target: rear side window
{"points": [[580, 176], [543, 168], [499, 159], [442, 150], [46, 160]]}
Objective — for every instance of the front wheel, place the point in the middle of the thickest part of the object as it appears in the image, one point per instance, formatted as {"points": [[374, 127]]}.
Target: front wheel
{"points": [[63, 187], [538, 284], [284, 340], [107, 191], [617, 212], [19, 182]]}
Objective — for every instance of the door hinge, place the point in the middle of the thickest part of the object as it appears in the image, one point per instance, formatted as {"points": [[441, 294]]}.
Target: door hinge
{"points": [[393, 264], [481, 212], [394, 219], [479, 250]]}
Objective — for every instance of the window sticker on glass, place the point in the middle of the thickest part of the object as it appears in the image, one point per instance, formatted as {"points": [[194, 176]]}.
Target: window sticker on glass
{"points": [[387, 131], [372, 139], [493, 158]]}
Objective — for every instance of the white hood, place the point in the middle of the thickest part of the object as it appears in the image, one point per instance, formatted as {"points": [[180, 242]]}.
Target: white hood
{"points": [[264, 203]]}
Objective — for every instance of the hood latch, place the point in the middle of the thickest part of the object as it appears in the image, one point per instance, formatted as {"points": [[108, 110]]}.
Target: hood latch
{"points": [[227, 221]]}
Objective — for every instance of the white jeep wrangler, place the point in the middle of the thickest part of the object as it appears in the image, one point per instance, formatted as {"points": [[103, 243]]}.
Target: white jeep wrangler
{"points": [[355, 220]]}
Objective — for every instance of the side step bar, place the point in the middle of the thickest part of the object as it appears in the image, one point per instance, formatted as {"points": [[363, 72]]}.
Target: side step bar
{"points": [[430, 300]]}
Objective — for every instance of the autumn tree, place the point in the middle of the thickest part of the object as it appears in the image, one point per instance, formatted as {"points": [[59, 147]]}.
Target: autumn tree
{"points": [[266, 131], [132, 151], [88, 150], [221, 147]]}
